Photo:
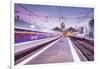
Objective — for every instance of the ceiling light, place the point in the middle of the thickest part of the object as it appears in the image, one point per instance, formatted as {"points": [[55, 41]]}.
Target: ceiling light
{"points": [[32, 26]]}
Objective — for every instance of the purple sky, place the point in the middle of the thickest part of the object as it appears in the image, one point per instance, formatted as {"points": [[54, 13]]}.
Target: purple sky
{"points": [[37, 15]]}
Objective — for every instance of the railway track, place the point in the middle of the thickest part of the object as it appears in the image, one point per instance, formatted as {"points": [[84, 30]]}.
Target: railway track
{"points": [[86, 48], [85, 40]]}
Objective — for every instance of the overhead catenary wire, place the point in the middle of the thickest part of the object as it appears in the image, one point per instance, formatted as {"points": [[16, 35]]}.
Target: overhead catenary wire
{"points": [[31, 12], [51, 16], [59, 11], [86, 16]]}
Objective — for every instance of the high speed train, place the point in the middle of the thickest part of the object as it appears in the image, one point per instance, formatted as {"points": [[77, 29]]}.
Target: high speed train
{"points": [[23, 35]]}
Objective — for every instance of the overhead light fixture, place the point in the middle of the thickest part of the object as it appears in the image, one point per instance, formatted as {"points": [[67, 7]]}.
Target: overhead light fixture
{"points": [[32, 26]]}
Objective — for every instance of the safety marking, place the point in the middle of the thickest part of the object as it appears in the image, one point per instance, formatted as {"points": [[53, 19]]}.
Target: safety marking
{"points": [[38, 53], [74, 54], [81, 53]]}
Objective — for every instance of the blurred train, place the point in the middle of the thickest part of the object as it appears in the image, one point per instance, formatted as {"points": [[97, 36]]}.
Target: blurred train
{"points": [[23, 35], [79, 35], [76, 34]]}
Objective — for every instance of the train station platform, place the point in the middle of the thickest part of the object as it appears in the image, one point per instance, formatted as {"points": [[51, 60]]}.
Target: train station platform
{"points": [[59, 52]]}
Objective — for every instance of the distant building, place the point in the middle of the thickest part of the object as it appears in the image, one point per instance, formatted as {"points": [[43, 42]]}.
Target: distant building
{"points": [[71, 31], [86, 30], [81, 30], [91, 28]]}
